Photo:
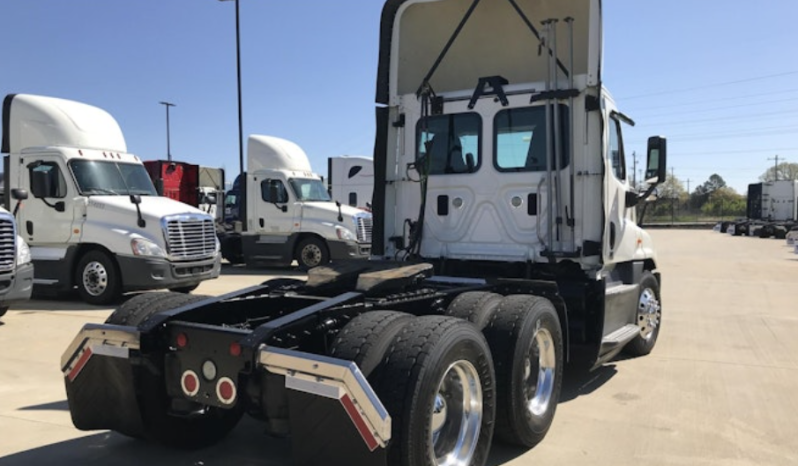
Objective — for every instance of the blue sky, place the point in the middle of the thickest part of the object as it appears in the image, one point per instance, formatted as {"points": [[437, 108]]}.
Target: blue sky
{"points": [[718, 77]]}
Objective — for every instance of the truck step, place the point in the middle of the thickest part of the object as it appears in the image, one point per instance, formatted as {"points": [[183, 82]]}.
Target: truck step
{"points": [[621, 336]]}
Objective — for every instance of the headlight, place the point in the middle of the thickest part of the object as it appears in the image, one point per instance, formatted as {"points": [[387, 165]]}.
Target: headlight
{"points": [[23, 251], [345, 234], [144, 247]]}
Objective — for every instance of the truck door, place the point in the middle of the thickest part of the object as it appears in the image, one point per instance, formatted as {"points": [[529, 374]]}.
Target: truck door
{"points": [[619, 220], [270, 219], [48, 215]]}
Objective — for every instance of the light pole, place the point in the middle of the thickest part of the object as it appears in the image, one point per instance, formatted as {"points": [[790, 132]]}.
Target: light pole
{"points": [[238, 70], [168, 148]]}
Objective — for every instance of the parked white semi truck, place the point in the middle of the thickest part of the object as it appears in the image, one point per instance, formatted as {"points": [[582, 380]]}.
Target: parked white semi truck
{"points": [[350, 179], [94, 220], [16, 267], [505, 244], [287, 212]]}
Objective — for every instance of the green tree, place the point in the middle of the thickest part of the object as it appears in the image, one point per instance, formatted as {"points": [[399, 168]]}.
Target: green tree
{"points": [[701, 193], [784, 170], [724, 202]]}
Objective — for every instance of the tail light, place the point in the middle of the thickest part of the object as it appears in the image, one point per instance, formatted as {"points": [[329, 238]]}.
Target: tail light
{"points": [[190, 383], [226, 390]]}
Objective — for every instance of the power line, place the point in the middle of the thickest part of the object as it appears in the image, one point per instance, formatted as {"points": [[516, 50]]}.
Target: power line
{"points": [[707, 86], [711, 120], [714, 109], [707, 101]]}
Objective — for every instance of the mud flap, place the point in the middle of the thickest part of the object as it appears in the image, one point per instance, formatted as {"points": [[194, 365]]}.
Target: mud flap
{"points": [[102, 396], [323, 433], [334, 415], [100, 379]]}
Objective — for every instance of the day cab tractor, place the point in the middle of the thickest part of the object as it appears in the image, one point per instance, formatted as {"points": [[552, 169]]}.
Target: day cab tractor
{"points": [[505, 244]]}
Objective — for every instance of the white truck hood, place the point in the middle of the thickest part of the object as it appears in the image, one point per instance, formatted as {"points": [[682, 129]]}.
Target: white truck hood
{"points": [[329, 208], [153, 208]]}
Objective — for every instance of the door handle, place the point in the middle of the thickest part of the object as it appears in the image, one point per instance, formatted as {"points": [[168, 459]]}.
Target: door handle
{"points": [[29, 227], [261, 222]]}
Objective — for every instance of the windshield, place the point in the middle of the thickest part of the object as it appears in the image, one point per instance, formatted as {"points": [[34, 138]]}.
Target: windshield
{"points": [[307, 189], [111, 178]]}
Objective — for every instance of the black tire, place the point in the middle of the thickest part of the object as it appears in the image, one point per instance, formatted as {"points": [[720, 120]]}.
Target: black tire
{"points": [[515, 333], [140, 307], [367, 337], [185, 289], [644, 343], [475, 307], [98, 279], [410, 376], [3, 310], [186, 431], [311, 252]]}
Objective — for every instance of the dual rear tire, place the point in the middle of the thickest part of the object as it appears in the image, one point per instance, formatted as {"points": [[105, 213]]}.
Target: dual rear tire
{"points": [[447, 385]]}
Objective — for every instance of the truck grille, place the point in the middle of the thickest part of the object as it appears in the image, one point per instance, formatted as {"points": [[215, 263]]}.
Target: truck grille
{"points": [[364, 229], [8, 245], [190, 238]]}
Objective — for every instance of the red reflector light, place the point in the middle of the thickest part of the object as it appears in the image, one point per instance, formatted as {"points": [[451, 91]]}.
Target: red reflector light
{"points": [[190, 383], [226, 390], [235, 349], [181, 340]]}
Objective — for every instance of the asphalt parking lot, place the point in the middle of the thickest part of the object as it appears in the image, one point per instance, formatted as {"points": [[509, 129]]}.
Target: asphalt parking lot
{"points": [[720, 388]]}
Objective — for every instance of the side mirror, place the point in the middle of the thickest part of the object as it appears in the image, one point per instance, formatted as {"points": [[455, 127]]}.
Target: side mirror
{"points": [[656, 166], [135, 199], [209, 198], [19, 194]]}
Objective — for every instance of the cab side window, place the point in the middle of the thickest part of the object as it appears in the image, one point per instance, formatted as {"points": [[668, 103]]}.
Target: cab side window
{"points": [[47, 180], [615, 150], [273, 191]]}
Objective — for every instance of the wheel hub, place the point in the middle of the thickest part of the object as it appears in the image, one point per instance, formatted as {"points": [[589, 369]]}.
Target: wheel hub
{"points": [[311, 255], [540, 367], [648, 313], [456, 416], [95, 278]]}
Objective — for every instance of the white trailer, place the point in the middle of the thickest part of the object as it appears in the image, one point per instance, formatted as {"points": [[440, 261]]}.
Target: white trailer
{"points": [[350, 179], [94, 220]]}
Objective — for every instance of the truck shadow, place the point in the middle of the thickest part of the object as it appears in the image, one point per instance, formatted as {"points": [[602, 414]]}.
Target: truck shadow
{"points": [[240, 269], [246, 445]]}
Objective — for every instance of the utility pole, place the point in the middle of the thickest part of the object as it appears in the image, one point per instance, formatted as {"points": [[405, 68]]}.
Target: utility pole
{"points": [[688, 186], [776, 167], [673, 197], [168, 148]]}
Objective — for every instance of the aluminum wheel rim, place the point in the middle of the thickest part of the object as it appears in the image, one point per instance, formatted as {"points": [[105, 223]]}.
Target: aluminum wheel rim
{"points": [[95, 278], [540, 367], [648, 313], [311, 255], [456, 415]]}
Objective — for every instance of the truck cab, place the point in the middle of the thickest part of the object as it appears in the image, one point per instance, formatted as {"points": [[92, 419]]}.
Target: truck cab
{"points": [[350, 180], [16, 267], [288, 213], [94, 220]]}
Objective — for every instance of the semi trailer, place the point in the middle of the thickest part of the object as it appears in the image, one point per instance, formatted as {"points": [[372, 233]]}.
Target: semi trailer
{"points": [[505, 245], [94, 221], [771, 210]]}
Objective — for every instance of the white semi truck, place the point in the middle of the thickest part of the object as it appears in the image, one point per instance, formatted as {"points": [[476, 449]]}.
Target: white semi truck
{"points": [[505, 245], [350, 179], [94, 220], [287, 212], [16, 267]]}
